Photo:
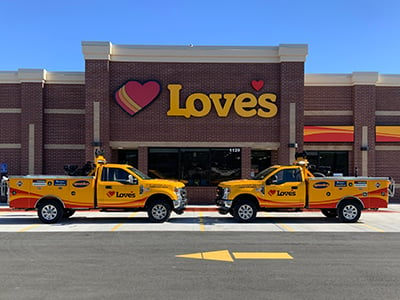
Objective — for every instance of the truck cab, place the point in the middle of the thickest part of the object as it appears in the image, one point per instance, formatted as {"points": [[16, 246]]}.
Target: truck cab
{"points": [[125, 187]]}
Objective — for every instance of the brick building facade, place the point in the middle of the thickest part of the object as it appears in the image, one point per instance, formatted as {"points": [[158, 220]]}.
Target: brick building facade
{"points": [[199, 114]]}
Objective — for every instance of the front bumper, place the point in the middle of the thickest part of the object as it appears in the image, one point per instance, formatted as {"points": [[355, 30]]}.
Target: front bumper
{"points": [[222, 201], [181, 202], [224, 206], [179, 205]]}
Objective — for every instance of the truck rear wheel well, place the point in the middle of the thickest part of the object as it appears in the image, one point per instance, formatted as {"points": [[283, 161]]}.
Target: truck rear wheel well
{"points": [[351, 200], [49, 199]]}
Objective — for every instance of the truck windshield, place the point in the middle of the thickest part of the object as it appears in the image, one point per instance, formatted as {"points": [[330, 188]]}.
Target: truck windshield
{"points": [[139, 173], [264, 173]]}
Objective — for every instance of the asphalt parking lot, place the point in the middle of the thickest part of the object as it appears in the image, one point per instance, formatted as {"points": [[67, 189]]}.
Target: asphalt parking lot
{"points": [[202, 219]]}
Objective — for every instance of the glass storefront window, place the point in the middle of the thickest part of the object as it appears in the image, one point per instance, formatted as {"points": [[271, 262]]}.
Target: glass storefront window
{"points": [[260, 160], [164, 163], [129, 157], [329, 163], [225, 165], [195, 166]]}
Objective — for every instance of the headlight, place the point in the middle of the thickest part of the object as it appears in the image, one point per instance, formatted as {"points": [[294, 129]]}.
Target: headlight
{"points": [[226, 191], [180, 193]]}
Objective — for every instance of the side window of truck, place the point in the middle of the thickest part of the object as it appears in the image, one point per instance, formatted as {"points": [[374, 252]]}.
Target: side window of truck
{"points": [[114, 174], [286, 175]]}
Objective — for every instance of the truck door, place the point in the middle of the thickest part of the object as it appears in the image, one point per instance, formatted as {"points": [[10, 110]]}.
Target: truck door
{"points": [[114, 189], [285, 188]]}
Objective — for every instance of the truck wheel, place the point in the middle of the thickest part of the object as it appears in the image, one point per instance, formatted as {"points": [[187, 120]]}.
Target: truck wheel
{"points": [[159, 211], [245, 211], [50, 211], [349, 211], [329, 213]]}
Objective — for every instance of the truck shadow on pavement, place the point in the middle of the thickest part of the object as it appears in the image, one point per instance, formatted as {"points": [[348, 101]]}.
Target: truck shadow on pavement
{"points": [[206, 220], [258, 220]]}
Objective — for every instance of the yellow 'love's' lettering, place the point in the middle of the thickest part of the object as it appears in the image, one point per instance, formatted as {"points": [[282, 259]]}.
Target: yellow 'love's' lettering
{"points": [[199, 105]]}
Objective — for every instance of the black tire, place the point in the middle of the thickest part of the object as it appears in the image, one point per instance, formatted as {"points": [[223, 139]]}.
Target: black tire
{"points": [[159, 211], [329, 213], [50, 211], [245, 211], [349, 211], [68, 213]]}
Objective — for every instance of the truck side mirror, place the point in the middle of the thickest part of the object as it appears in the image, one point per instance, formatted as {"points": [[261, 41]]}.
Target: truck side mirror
{"points": [[132, 180], [272, 180]]}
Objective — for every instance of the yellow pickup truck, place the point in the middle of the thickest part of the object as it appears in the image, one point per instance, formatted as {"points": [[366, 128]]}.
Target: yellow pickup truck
{"points": [[109, 187], [294, 187]]}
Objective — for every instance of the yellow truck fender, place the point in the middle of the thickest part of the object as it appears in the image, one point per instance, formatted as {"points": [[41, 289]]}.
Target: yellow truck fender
{"points": [[49, 197], [248, 197], [351, 198], [159, 196]]}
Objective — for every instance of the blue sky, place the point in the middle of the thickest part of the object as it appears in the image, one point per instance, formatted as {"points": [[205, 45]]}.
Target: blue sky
{"points": [[343, 35]]}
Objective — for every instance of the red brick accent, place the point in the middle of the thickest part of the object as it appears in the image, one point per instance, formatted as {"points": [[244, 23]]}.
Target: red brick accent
{"points": [[291, 91], [328, 98], [201, 195], [32, 113], [364, 106], [54, 160], [97, 80]]}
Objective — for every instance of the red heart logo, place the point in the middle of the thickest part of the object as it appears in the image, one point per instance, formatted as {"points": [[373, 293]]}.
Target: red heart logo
{"points": [[272, 192], [133, 96], [110, 194], [257, 84]]}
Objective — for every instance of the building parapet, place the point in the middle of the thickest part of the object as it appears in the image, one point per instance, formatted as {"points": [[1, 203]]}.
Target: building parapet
{"points": [[355, 78], [42, 76], [190, 53]]}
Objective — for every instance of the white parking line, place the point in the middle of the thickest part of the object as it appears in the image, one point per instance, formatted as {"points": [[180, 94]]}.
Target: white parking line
{"points": [[29, 228], [199, 221], [373, 227], [115, 228]]}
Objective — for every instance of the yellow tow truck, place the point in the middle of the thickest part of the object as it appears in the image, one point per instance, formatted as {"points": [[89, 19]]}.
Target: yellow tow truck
{"points": [[107, 187], [294, 187]]}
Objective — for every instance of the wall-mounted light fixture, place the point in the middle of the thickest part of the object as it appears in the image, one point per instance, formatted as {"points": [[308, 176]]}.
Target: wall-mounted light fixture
{"points": [[364, 148], [96, 144], [293, 145]]}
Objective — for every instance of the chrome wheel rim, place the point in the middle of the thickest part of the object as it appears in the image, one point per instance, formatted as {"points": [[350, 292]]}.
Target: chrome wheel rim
{"points": [[159, 212], [350, 212], [49, 212], [245, 212]]}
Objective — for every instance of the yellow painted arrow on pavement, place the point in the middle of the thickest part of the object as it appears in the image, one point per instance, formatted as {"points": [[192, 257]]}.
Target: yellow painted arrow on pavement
{"points": [[224, 255]]}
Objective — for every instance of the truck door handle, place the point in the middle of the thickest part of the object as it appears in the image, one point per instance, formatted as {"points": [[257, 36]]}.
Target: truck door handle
{"points": [[108, 187], [294, 187]]}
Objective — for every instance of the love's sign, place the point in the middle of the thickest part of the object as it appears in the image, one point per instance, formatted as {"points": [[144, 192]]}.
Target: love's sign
{"points": [[133, 96]]}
